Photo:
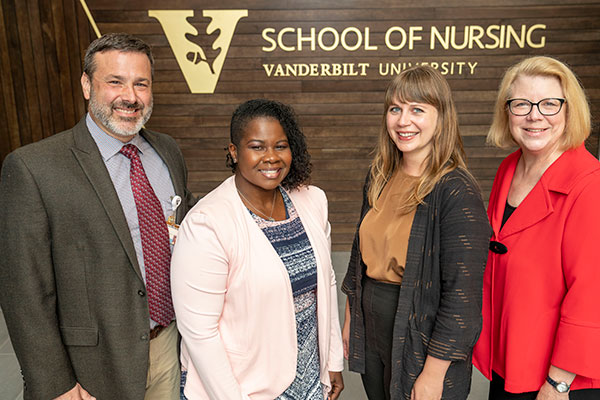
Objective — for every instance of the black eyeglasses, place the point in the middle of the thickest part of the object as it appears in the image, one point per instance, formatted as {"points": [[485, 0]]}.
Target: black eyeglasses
{"points": [[547, 107]]}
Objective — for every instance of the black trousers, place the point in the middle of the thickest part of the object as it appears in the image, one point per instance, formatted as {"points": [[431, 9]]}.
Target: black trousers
{"points": [[379, 301], [497, 392]]}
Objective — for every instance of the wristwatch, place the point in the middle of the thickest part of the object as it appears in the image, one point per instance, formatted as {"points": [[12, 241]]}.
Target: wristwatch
{"points": [[561, 387]]}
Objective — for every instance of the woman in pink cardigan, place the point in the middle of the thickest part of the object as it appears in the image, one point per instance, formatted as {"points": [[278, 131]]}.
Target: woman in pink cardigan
{"points": [[253, 286]]}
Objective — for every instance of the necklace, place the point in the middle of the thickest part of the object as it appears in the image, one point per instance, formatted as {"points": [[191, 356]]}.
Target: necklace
{"points": [[270, 218]]}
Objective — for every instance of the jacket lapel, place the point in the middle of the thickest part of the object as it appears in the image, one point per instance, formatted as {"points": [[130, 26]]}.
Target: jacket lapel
{"points": [[536, 206], [558, 178], [89, 158], [499, 195]]}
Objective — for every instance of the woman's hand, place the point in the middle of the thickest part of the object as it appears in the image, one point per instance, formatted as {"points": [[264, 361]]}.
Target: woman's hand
{"points": [[427, 387], [547, 392], [430, 383], [346, 330], [337, 384]]}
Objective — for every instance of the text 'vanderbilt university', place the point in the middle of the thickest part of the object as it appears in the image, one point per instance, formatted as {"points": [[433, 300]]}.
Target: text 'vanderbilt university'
{"points": [[201, 65]]}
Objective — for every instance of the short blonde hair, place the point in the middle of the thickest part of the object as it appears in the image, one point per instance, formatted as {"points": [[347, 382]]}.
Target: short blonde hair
{"points": [[578, 120]]}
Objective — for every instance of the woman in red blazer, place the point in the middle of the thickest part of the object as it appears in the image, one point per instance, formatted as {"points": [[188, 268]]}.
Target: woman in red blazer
{"points": [[541, 295]]}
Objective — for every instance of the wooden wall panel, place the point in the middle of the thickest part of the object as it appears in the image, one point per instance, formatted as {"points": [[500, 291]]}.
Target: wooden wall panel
{"points": [[40, 68], [9, 128], [42, 43]]}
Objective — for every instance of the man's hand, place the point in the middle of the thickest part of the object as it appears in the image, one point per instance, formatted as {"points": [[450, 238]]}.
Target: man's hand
{"points": [[77, 393], [337, 384]]}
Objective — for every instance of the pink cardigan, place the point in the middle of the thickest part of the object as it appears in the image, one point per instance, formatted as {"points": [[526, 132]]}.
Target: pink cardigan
{"points": [[234, 303]]}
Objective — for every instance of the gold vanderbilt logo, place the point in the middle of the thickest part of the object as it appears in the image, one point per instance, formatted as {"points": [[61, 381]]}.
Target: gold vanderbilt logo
{"points": [[200, 69]]}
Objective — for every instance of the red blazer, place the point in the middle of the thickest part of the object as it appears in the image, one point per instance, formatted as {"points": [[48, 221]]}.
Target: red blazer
{"points": [[541, 299]]}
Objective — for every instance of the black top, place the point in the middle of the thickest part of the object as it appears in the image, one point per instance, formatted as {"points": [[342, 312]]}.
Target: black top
{"points": [[508, 210]]}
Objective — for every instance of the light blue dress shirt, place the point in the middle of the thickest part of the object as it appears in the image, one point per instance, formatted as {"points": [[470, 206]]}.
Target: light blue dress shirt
{"points": [[118, 166]]}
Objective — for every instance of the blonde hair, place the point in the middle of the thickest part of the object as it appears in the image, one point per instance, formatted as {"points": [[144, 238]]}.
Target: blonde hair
{"points": [[578, 120], [420, 84]]}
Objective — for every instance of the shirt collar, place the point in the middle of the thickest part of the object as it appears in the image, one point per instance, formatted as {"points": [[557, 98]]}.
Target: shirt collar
{"points": [[108, 145]]}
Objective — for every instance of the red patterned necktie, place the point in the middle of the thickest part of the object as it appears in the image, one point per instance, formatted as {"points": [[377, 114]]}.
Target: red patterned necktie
{"points": [[155, 240]]}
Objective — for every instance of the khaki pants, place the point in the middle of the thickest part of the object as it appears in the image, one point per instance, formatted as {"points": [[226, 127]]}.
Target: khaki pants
{"points": [[163, 368]]}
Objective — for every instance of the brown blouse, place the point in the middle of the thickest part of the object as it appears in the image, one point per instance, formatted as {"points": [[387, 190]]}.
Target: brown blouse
{"points": [[384, 232]]}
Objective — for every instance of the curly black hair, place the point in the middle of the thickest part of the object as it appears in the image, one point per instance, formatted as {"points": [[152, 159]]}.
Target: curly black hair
{"points": [[262, 108]]}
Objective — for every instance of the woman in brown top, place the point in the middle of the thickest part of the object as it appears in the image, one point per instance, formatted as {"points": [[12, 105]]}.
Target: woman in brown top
{"points": [[414, 279]]}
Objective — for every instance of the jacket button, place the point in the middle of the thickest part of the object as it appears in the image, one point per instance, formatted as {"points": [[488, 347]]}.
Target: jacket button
{"points": [[498, 247], [141, 293]]}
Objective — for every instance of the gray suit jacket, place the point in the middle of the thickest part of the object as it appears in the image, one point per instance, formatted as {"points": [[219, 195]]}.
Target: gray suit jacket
{"points": [[70, 285]]}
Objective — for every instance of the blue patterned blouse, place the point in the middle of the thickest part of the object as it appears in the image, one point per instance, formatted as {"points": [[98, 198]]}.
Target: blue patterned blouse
{"points": [[290, 241]]}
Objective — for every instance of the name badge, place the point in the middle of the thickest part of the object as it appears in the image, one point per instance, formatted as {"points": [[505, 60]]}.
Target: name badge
{"points": [[171, 225]]}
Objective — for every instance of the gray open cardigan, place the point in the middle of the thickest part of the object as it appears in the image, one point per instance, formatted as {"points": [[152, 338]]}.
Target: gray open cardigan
{"points": [[439, 306]]}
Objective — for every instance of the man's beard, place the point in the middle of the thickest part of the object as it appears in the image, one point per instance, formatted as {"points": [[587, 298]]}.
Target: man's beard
{"points": [[120, 126]]}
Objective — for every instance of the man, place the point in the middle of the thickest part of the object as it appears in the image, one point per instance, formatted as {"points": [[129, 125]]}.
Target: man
{"points": [[84, 265]]}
